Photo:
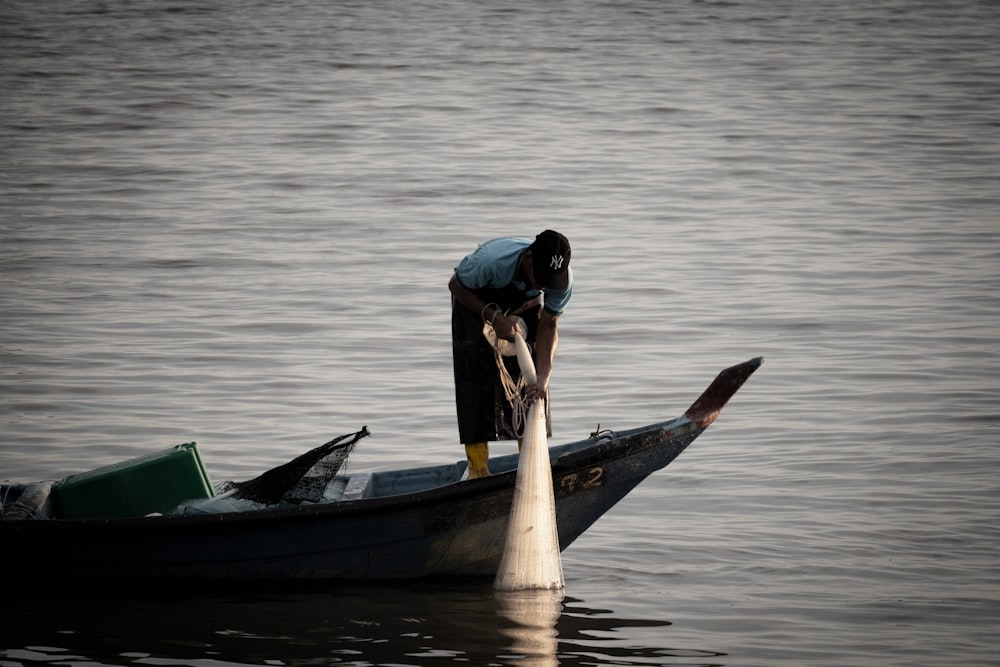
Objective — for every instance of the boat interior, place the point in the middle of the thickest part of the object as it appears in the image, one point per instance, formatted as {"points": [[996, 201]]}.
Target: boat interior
{"points": [[21, 501]]}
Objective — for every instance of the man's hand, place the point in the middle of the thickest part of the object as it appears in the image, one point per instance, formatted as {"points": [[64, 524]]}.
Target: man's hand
{"points": [[505, 327], [537, 392]]}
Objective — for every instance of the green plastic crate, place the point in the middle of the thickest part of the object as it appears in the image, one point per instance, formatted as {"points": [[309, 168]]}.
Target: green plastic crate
{"points": [[157, 482]]}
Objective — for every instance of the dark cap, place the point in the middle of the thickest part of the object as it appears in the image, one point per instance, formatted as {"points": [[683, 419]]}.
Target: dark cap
{"points": [[550, 252]]}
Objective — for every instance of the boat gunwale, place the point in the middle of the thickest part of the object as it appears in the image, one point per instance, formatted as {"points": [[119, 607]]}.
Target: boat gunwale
{"points": [[580, 454]]}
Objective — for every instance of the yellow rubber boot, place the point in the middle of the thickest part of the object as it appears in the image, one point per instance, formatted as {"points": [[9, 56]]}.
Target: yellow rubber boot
{"points": [[478, 454]]}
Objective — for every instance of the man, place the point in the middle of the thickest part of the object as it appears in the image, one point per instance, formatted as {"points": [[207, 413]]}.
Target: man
{"points": [[504, 279]]}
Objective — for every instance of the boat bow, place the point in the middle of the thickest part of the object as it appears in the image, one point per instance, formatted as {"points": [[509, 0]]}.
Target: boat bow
{"points": [[706, 408]]}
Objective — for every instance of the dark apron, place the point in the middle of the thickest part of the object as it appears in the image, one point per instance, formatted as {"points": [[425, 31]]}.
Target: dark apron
{"points": [[483, 411]]}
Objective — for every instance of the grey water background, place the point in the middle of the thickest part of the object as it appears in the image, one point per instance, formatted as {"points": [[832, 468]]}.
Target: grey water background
{"points": [[234, 222]]}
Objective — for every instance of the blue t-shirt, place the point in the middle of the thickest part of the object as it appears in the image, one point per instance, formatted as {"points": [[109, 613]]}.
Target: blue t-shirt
{"points": [[494, 264]]}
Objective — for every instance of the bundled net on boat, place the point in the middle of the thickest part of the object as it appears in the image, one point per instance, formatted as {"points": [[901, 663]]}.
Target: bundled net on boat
{"points": [[304, 478]]}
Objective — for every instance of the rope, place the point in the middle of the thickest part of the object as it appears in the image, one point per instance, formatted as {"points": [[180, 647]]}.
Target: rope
{"points": [[514, 391]]}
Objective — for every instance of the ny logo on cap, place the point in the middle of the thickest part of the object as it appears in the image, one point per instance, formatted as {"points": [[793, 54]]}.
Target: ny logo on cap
{"points": [[556, 263]]}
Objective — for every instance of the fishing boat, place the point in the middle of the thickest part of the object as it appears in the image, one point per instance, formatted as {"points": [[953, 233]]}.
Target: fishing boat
{"points": [[386, 525]]}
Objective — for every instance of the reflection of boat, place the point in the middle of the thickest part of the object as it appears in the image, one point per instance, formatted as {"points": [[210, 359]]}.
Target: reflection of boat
{"points": [[398, 524], [317, 624]]}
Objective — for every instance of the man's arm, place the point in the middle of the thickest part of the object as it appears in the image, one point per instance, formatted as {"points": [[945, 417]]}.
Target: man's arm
{"points": [[546, 341], [503, 325]]}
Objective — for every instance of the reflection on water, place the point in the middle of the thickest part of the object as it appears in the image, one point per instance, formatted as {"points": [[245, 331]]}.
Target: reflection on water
{"points": [[534, 614], [425, 624]]}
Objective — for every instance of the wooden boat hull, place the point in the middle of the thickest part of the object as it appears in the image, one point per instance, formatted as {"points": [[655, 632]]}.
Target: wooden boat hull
{"points": [[409, 524]]}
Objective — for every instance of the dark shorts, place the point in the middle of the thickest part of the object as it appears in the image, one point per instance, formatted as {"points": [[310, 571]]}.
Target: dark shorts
{"points": [[483, 411]]}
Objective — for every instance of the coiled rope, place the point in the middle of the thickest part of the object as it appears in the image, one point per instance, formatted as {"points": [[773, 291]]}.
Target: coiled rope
{"points": [[514, 391]]}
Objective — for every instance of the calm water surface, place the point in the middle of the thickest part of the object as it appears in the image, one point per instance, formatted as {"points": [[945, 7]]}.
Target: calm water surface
{"points": [[234, 223]]}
